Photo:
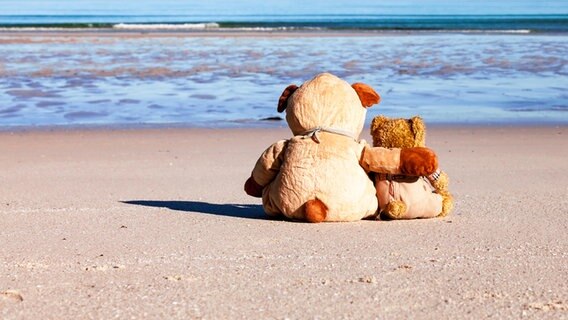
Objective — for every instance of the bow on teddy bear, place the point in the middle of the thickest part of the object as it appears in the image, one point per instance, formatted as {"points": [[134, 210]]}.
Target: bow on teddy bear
{"points": [[321, 173]]}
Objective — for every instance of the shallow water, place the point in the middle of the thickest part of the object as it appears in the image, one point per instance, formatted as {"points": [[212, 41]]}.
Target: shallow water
{"points": [[73, 79]]}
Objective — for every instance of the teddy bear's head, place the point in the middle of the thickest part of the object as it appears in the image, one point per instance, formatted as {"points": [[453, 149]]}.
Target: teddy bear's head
{"points": [[398, 133], [327, 102]]}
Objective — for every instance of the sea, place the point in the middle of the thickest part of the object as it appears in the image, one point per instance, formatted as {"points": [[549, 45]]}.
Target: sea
{"points": [[224, 64]]}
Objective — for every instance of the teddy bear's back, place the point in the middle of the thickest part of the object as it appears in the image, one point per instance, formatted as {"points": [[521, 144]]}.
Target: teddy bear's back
{"points": [[328, 171]]}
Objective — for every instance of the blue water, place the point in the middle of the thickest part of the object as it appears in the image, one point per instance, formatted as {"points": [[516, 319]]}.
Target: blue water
{"points": [[507, 23], [535, 16], [281, 7], [482, 62]]}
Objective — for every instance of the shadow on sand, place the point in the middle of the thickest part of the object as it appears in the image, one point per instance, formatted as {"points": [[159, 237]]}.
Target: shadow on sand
{"points": [[246, 211]]}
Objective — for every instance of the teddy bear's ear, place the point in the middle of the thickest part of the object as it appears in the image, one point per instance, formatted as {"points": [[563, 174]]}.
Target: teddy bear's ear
{"points": [[419, 130], [283, 101], [366, 94], [378, 130], [377, 124]]}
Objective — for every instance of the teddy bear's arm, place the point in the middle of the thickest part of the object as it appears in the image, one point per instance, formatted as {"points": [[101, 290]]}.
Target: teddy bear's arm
{"points": [[410, 161], [266, 168], [381, 160]]}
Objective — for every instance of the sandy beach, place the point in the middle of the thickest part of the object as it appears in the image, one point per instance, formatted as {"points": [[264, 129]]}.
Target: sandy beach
{"points": [[154, 224]]}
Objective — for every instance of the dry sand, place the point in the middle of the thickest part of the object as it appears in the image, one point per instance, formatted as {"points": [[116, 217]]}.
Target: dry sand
{"points": [[154, 224]]}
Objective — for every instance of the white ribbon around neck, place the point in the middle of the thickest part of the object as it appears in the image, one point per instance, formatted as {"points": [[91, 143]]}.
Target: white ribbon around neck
{"points": [[313, 133]]}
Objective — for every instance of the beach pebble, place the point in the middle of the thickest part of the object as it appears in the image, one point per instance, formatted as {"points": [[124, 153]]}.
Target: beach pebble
{"points": [[404, 267], [368, 279], [104, 268], [173, 278]]}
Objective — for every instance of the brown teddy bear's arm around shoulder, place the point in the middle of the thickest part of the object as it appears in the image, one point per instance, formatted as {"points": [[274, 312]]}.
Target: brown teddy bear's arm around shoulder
{"points": [[409, 161], [266, 168]]}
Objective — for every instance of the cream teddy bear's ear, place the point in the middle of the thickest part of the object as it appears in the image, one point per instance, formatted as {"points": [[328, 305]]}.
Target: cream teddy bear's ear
{"points": [[419, 130], [283, 101], [367, 95]]}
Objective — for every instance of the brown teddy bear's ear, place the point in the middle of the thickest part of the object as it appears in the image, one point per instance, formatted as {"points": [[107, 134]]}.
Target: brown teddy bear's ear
{"points": [[419, 130], [366, 94], [283, 101], [377, 123], [378, 130]]}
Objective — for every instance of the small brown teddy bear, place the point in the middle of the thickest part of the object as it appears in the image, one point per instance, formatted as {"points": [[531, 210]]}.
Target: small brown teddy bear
{"points": [[404, 196]]}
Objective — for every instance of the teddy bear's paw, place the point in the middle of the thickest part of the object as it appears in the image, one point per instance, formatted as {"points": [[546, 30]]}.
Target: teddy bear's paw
{"points": [[394, 210], [447, 204], [418, 161], [252, 188], [442, 183]]}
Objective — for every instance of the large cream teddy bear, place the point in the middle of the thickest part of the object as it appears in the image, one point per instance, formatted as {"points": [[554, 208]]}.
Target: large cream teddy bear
{"points": [[321, 173]]}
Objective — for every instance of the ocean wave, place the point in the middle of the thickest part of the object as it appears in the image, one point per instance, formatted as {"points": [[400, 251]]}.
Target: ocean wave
{"points": [[216, 26], [522, 31], [386, 23], [275, 28], [184, 26], [209, 26]]}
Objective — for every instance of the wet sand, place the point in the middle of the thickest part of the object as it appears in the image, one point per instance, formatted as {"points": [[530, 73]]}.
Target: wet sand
{"points": [[228, 77], [154, 224]]}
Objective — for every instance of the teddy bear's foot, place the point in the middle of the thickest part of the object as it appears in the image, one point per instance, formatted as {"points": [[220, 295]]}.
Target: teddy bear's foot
{"points": [[447, 204], [315, 211], [394, 210]]}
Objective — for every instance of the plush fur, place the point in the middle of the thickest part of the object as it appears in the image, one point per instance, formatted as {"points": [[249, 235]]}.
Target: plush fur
{"points": [[399, 197], [321, 173]]}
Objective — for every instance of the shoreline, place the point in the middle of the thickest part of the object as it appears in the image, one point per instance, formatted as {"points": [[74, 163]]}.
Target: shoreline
{"points": [[117, 77], [254, 125], [155, 33]]}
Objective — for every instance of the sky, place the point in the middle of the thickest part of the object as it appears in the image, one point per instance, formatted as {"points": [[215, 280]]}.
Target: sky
{"points": [[278, 7]]}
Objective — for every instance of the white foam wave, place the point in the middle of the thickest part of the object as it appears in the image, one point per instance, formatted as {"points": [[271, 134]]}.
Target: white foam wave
{"points": [[472, 31], [499, 31], [201, 26], [216, 26], [185, 26], [278, 29]]}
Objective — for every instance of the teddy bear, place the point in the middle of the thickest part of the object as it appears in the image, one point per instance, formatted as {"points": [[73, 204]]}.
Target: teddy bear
{"points": [[322, 172], [406, 196]]}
